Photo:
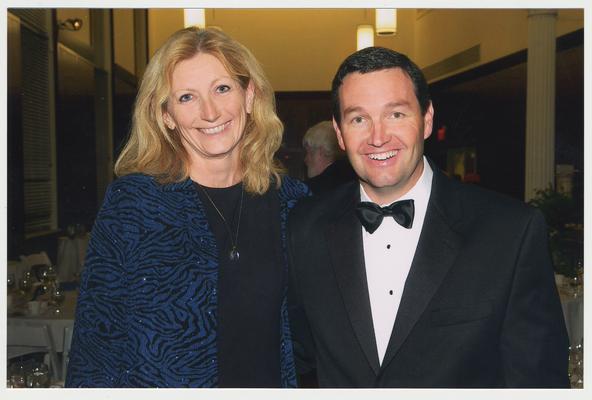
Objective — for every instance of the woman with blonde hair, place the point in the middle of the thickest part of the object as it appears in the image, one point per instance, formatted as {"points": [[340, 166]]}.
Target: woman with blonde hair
{"points": [[185, 278]]}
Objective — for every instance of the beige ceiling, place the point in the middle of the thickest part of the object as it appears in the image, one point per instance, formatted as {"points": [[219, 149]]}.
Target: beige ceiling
{"points": [[300, 49]]}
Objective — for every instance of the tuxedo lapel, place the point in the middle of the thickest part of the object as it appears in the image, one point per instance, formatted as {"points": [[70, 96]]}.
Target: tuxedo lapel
{"points": [[344, 236], [436, 251]]}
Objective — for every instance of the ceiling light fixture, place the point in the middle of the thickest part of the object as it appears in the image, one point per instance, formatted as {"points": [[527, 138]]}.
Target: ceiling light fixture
{"points": [[365, 36], [386, 21], [195, 17]]}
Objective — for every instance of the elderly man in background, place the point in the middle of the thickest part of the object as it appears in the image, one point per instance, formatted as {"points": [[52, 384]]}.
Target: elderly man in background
{"points": [[326, 164]]}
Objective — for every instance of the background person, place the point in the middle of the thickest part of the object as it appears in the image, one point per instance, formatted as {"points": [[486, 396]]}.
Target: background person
{"points": [[325, 162], [185, 278]]}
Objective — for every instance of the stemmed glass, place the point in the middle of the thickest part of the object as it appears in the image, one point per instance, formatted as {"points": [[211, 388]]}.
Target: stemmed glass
{"points": [[10, 288], [18, 374], [576, 285], [25, 283], [10, 282], [580, 275], [57, 298], [49, 275], [576, 366], [38, 377]]}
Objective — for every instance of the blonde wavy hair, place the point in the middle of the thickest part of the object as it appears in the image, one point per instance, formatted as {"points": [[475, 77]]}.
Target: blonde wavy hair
{"points": [[155, 150]]}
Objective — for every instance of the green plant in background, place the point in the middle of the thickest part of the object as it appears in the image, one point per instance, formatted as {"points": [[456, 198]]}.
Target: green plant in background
{"points": [[566, 234]]}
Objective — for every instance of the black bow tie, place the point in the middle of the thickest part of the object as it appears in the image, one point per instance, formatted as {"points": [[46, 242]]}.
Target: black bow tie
{"points": [[371, 214]]}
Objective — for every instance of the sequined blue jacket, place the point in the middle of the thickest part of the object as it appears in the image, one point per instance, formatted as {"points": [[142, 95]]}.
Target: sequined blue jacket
{"points": [[146, 313]]}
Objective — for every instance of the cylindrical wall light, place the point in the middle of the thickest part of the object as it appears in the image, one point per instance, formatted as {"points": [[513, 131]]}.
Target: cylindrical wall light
{"points": [[386, 21], [195, 17], [365, 36]]}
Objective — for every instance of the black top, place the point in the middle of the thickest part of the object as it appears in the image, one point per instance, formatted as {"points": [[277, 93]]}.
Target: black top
{"points": [[250, 290]]}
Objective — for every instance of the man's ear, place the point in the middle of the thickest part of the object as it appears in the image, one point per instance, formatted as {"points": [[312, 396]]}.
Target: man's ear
{"points": [[339, 135], [250, 97], [428, 122]]}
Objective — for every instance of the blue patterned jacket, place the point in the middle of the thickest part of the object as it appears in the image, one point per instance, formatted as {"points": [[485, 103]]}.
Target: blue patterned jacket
{"points": [[146, 313]]}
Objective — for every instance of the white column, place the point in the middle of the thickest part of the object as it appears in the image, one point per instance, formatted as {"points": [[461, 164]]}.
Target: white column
{"points": [[540, 102]]}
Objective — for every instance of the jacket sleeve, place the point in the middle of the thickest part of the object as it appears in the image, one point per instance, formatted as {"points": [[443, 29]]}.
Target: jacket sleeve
{"points": [[304, 352], [534, 342], [99, 336]]}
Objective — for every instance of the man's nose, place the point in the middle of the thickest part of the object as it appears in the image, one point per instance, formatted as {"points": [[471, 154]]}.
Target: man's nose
{"points": [[378, 136]]}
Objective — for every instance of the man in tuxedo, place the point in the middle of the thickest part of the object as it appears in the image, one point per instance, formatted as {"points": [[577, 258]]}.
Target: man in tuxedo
{"points": [[410, 279], [326, 165]]}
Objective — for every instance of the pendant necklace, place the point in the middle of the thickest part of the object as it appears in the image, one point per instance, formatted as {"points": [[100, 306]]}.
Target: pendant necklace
{"points": [[233, 254]]}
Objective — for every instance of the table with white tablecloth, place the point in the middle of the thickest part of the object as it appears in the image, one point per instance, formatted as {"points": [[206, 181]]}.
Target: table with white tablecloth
{"points": [[56, 322], [572, 303], [573, 312]]}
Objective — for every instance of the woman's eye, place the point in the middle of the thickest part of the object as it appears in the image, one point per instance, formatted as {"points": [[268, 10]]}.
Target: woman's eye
{"points": [[185, 98], [222, 89]]}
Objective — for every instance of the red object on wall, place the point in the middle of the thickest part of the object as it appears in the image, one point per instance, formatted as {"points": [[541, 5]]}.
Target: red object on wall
{"points": [[472, 177], [441, 134]]}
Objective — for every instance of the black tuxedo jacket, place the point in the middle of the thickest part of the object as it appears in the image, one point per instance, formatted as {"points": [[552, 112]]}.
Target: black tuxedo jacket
{"points": [[479, 308]]}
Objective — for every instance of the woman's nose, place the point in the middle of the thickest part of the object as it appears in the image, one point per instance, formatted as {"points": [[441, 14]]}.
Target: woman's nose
{"points": [[209, 110]]}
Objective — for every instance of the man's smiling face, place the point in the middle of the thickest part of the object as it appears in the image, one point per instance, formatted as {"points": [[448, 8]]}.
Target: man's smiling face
{"points": [[383, 130]]}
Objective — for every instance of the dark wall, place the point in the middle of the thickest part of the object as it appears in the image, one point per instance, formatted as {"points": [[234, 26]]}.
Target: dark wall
{"points": [[15, 177], [495, 128], [75, 140], [569, 118], [486, 108], [124, 95], [299, 111], [80, 91]]}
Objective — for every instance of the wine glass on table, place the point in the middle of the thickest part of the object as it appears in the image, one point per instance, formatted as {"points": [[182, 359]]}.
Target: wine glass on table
{"points": [[38, 377], [10, 284], [17, 372], [576, 366], [25, 284], [57, 299]]}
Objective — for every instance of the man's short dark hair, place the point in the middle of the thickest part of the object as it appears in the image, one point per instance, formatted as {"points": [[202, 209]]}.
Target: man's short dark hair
{"points": [[373, 59]]}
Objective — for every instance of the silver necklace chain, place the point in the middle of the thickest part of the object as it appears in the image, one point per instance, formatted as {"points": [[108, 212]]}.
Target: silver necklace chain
{"points": [[234, 254]]}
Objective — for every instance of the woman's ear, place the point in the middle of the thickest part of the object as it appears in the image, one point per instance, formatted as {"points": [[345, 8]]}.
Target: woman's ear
{"points": [[168, 120], [250, 97]]}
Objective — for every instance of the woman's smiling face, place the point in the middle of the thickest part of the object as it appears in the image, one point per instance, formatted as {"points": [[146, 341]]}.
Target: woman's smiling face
{"points": [[208, 107]]}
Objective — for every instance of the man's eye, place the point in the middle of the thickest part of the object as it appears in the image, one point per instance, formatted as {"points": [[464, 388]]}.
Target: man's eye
{"points": [[357, 120], [185, 98], [397, 115], [222, 89]]}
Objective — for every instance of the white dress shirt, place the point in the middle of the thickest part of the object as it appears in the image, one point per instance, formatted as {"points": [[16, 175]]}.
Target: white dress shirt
{"points": [[388, 253]]}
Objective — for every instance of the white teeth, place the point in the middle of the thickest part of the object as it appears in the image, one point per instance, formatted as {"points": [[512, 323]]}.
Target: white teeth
{"points": [[216, 129], [383, 156]]}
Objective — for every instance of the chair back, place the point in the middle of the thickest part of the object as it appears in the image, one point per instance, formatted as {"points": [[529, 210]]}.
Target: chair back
{"points": [[66, 354]]}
